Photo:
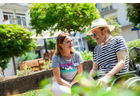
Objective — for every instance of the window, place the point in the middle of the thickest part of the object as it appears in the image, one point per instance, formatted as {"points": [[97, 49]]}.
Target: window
{"points": [[75, 43], [6, 17], [21, 20], [106, 6], [77, 49], [18, 20], [11, 21], [24, 21], [114, 17]]}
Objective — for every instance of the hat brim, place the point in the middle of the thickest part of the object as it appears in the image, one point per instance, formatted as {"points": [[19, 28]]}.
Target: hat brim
{"points": [[110, 27]]}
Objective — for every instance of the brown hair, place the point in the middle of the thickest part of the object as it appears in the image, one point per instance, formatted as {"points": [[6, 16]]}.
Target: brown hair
{"points": [[60, 39]]}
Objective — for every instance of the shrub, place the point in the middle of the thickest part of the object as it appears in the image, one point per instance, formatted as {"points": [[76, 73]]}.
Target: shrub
{"points": [[28, 56], [47, 65], [51, 44], [25, 71], [14, 41], [135, 43], [87, 55], [3, 64], [90, 88]]}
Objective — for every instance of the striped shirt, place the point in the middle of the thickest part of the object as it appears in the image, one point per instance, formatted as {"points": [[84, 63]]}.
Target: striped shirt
{"points": [[106, 56]]}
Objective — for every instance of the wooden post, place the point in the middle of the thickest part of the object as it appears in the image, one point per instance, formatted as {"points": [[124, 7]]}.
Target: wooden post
{"points": [[14, 63], [69, 29]]}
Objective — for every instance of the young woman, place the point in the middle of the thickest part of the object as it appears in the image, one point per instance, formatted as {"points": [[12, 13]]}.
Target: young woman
{"points": [[66, 65]]}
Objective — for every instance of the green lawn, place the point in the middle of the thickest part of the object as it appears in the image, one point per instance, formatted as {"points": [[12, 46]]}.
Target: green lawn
{"points": [[38, 92]]}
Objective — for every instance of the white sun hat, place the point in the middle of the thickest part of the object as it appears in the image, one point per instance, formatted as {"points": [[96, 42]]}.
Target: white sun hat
{"points": [[100, 23]]}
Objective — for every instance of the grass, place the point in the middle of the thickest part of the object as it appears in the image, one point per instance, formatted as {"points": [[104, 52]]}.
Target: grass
{"points": [[30, 93], [38, 92]]}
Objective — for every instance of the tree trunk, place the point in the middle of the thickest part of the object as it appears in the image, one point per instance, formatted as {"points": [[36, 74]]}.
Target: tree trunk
{"points": [[14, 63], [69, 29]]}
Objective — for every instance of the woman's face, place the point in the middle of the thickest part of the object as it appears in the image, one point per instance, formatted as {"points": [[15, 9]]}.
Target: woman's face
{"points": [[67, 43]]}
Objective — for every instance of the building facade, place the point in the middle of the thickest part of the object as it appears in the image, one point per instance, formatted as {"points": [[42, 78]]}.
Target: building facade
{"points": [[118, 11]]}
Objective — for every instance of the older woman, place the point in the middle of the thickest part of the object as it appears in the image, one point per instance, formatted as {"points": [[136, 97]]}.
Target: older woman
{"points": [[111, 55], [66, 65]]}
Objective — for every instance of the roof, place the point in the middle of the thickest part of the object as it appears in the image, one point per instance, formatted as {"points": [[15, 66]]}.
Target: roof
{"points": [[45, 35]]}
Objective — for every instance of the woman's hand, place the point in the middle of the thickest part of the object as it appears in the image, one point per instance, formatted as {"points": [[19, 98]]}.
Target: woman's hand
{"points": [[73, 82]]}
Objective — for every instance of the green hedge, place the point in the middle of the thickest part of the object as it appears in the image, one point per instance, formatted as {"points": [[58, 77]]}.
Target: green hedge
{"points": [[135, 43]]}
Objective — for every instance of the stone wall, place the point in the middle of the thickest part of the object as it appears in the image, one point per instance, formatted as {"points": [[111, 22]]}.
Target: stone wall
{"points": [[22, 84]]}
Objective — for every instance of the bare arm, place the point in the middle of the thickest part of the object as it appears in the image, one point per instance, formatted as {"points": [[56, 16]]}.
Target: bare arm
{"points": [[121, 55], [79, 73], [56, 73], [93, 70]]}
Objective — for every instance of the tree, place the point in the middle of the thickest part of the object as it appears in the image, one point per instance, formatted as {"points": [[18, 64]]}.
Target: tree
{"points": [[67, 17], [14, 41], [115, 32], [3, 64], [51, 44], [133, 13]]}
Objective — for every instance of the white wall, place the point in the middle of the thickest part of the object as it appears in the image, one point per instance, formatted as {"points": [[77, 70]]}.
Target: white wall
{"points": [[126, 25], [122, 15], [10, 70], [1, 16], [115, 5], [128, 34], [27, 17]]}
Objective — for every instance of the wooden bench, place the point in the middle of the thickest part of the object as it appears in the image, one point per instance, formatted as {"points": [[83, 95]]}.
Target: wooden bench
{"points": [[30, 64], [36, 63]]}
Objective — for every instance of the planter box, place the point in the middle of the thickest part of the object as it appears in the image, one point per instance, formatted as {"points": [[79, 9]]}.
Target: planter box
{"points": [[21, 84]]}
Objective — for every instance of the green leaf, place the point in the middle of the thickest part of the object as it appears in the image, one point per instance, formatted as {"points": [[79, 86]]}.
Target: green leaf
{"points": [[76, 15], [14, 39]]}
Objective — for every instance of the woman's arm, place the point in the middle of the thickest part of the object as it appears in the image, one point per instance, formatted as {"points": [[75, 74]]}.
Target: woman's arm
{"points": [[79, 73], [56, 73]]}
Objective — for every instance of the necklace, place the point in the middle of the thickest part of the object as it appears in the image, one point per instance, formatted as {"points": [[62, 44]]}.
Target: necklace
{"points": [[106, 40]]}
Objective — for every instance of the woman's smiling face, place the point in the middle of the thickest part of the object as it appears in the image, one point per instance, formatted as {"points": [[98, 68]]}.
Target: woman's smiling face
{"points": [[67, 43]]}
